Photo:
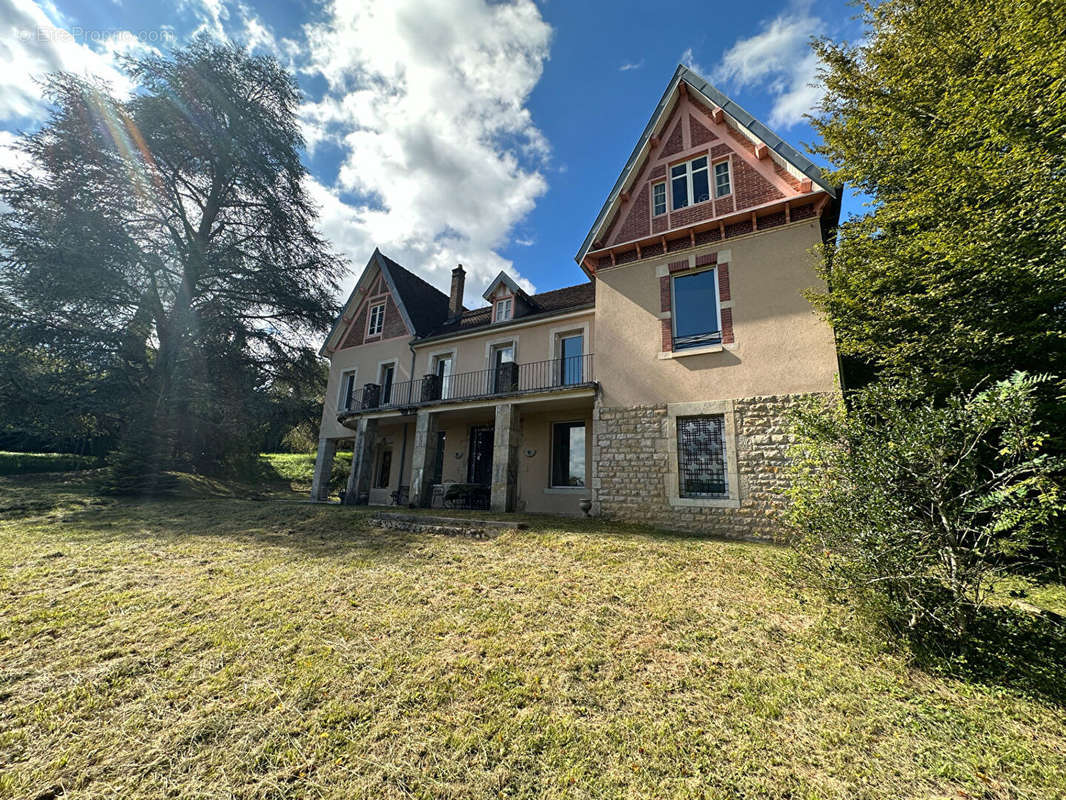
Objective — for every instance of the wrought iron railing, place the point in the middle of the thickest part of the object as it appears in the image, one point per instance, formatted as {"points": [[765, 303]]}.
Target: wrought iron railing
{"points": [[504, 379]]}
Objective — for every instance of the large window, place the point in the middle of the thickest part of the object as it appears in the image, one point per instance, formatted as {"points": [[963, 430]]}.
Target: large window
{"points": [[571, 346], [722, 186], [689, 183], [568, 454], [377, 320], [347, 395], [658, 199], [701, 464], [695, 310]]}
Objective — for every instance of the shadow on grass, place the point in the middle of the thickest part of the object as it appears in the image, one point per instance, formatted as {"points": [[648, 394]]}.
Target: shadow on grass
{"points": [[1013, 649]]}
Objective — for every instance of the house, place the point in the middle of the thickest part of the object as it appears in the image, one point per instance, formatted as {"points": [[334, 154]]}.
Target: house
{"points": [[658, 389]]}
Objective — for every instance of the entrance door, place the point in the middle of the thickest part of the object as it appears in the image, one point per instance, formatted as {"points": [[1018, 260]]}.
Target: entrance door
{"points": [[479, 468]]}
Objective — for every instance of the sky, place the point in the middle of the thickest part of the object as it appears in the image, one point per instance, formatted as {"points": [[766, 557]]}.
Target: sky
{"points": [[454, 131]]}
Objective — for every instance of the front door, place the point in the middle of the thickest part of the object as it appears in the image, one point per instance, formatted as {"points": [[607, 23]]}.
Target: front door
{"points": [[479, 468]]}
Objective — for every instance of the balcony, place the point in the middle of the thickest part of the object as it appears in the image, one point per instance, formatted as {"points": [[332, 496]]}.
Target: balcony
{"points": [[509, 379]]}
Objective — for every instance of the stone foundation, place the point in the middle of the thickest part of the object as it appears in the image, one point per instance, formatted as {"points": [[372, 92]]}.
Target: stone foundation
{"points": [[631, 462]]}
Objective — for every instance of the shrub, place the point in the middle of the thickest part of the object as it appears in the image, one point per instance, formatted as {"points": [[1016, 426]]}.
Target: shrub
{"points": [[913, 508], [21, 463]]}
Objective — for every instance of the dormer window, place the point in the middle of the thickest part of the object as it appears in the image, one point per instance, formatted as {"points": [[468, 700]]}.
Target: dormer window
{"points": [[376, 323], [504, 310]]}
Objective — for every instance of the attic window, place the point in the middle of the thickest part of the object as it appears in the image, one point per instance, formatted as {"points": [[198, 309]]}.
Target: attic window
{"points": [[689, 183], [376, 323], [504, 309], [721, 179], [658, 199]]}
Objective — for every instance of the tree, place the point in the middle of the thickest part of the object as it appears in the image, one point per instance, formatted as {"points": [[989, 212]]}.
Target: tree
{"points": [[952, 117], [167, 240], [914, 507]]}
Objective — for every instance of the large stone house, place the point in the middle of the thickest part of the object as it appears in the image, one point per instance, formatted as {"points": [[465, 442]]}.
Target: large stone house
{"points": [[657, 390]]}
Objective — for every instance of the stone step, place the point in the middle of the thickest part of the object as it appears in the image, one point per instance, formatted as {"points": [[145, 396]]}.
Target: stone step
{"points": [[447, 526]]}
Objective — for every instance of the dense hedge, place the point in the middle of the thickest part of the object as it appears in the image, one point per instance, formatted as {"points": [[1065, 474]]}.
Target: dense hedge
{"points": [[20, 463]]}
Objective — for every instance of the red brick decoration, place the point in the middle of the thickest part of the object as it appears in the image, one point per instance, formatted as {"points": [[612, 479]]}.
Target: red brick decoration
{"points": [[706, 237], [751, 188], [720, 150], [692, 214], [668, 336], [700, 134], [674, 142], [678, 266], [723, 282], [637, 220], [705, 259], [658, 224], [727, 326], [664, 293]]}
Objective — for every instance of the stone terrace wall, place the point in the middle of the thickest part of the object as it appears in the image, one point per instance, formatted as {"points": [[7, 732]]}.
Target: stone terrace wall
{"points": [[630, 464]]}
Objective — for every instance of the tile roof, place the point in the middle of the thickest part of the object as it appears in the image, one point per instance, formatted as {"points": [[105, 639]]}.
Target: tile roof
{"points": [[557, 301], [425, 305]]}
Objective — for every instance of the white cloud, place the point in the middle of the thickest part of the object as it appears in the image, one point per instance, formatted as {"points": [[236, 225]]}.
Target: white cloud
{"points": [[427, 103], [631, 65], [35, 39], [779, 59]]}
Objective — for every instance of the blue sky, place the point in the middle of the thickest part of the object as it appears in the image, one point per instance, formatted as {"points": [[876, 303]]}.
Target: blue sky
{"points": [[454, 130]]}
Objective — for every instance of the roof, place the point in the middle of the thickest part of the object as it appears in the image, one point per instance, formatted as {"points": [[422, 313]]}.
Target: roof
{"points": [[545, 304], [734, 111], [425, 304], [421, 305]]}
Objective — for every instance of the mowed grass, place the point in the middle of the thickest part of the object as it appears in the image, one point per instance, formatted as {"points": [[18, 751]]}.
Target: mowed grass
{"points": [[229, 648]]}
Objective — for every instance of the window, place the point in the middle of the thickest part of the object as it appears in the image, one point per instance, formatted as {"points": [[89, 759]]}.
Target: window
{"points": [[443, 370], [658, 199], [503, 310], [504, 371], [701, 465], [570, 351], [721, 179], [695, 310], [689, 183], [347, 395], [568, 454], [388, 371], [384, 470], [377, 320]]}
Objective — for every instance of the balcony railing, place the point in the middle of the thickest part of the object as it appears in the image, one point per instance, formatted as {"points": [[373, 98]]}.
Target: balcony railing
{"points": [[509, 378]]}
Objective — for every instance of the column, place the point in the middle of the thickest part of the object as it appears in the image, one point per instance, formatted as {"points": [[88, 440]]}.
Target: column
{"points": [[423, 458], [505, 458], [327, 449], [362, 462]]}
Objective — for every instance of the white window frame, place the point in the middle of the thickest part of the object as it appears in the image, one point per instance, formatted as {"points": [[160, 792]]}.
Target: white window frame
{"points": [[434, 364], [341, 393], [688, 182], [655, 186], [551, 456], [725, 408], [717, 306], [370, 331], [504, 305], [729, 178], [391, 362]]}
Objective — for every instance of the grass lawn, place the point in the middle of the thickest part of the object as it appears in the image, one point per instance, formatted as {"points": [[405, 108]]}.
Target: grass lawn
{"points": [[220, 647]]}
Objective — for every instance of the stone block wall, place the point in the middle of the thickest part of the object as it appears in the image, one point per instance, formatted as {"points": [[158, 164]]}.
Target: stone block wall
{"points": [[631, 461]]}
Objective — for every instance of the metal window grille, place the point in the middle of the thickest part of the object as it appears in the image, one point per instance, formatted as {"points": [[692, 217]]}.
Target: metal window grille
{"points": [[701, 456]]}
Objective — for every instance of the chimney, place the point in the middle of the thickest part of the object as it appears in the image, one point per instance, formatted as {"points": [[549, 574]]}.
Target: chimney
{"points": [[455, 302]]}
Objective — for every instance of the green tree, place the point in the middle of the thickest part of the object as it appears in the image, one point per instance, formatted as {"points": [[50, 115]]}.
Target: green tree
{"points": [[951, 116], [168, 242]]}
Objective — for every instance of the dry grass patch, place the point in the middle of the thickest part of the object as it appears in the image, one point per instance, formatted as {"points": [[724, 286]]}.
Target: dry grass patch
{"points": [[221, 648]]}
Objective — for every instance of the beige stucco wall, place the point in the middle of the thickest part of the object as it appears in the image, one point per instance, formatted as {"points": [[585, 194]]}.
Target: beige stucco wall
{"points": [[782, 346], [391, 436], [533, 342], [366, 359], [534, 472]]}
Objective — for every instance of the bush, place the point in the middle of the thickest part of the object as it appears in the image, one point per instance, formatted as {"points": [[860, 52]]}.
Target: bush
{"points": [[912, 508], [22, 463]]}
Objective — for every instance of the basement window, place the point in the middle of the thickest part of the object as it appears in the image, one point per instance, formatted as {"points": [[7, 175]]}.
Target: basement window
{"points": [[690, 183]]}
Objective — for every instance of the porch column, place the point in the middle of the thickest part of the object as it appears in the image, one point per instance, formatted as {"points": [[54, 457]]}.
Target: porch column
{"points": [[327, 448], [505, 458], [362, 462], [423, 458]]}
